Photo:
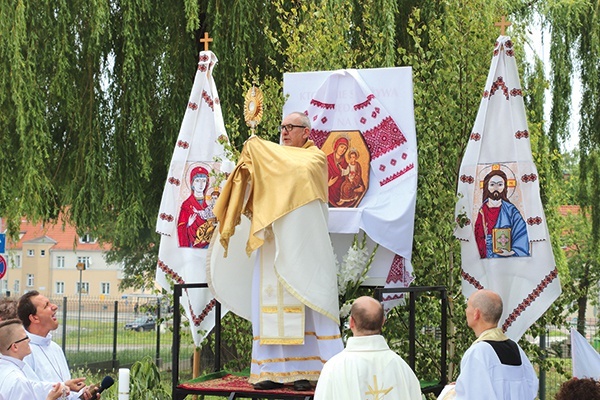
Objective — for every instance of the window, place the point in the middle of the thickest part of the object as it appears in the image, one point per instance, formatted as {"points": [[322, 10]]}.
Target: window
{"points": [[59, 288], [4, 285], [17, 260], [42, 253], [84, 260], [105, 287], [30, 280], [87, 238], [60, 261], [30, 253], [17, 286], [85, 287]]}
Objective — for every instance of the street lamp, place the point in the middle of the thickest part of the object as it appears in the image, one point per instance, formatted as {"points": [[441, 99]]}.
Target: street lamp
{"points": [[80, 266]]}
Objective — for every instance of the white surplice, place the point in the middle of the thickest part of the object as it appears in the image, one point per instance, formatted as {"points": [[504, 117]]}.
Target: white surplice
{"points": [[14, 385], [483, 375], [367, 369]]}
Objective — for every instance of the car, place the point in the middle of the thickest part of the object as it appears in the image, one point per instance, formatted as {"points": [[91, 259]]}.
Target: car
{"points": [[141, 324]]}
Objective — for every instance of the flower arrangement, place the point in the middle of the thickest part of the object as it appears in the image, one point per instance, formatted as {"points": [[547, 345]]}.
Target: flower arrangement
{"points": [[352, 272]]}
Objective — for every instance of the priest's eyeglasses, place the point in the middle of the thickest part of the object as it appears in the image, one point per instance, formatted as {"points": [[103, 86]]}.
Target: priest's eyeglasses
{"points": [[18, 341], [289, 127]]}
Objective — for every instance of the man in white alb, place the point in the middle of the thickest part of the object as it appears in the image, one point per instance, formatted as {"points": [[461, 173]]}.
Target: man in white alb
{"points": [[14, 384], [494, 367], [47, 359], [367, 368]]}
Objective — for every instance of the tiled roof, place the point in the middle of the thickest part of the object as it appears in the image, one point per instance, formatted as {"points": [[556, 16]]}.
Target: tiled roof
{"points": [[63, 235]]}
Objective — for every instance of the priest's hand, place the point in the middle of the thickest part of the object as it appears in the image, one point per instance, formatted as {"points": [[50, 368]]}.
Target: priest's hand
{"points": [[75, 384], [59, 391]]}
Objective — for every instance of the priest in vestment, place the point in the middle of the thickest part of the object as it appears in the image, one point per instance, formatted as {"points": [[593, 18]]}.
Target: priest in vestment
{"points": [[367, 368], [271, 260], [494, 367]]}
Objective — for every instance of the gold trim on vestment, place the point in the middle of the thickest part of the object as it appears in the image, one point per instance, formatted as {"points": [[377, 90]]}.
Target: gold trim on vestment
{"points": [[286, 359], [322, 337]]}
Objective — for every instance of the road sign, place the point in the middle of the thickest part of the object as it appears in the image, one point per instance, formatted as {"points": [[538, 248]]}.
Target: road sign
{"points": [[2, 267], [2, 243]]}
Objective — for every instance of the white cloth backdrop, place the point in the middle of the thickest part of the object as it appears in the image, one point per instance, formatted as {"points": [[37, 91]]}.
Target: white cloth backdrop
{"points": [[376, 102]]}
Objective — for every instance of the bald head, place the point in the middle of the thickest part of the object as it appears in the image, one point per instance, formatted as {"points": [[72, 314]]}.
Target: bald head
{"points": [[366, 316], [490, 305], [484, 309]]}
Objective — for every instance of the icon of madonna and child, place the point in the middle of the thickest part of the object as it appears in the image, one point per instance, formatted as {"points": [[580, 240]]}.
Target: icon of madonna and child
{"points": [[348, 161], [197, 222]]}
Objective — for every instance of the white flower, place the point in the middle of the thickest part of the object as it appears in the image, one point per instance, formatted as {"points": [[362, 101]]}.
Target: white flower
{"points": [[345, 310]]}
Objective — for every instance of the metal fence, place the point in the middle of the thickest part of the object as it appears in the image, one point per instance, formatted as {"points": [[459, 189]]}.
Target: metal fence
{"points": [[105, 333]]}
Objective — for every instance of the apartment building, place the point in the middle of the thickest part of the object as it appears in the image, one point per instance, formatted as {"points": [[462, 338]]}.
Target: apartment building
{"points": [[46, 258]]}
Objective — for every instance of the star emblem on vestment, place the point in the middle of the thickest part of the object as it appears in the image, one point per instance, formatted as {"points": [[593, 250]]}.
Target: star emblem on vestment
{"points": [[375, 391]]}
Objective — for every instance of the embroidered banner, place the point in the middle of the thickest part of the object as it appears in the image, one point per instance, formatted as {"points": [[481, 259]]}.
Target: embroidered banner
{"points": [[505, 245], [185, 220]]}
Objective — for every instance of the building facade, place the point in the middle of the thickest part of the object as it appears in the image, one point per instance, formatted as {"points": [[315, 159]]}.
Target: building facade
{"points": [[46, 258]]}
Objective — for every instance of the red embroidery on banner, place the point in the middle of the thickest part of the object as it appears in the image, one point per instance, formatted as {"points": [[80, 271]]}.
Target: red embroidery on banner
{"points": [[169, 272], [174, 181], [499, 84], [202, 67], [382, 167], [203, 58], [319, 136], [398, 272], [217, 101], [363, 120], [166, 217], [508, 44], [207, 99], [384, 138], [529, 178], [323, 120], [365, 103], [510, 53], [512, 317], [320, 104], [522, 134], [207, 309], [393, 162], [516, 92], [534, 220], [471, 280], [397, 174], [183, 144], [485, 94], [404, 156], [192, 106], [467, 179], [475, 136]]}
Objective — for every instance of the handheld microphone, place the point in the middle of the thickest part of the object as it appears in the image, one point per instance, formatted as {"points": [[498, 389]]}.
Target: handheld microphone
{"points": [[106, 383]]}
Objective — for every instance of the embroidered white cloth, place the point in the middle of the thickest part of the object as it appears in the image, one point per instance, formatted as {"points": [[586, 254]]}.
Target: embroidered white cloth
{"points": [[367, 369], [586, 360], [185, 220], [344, 102], [505, 245]]}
